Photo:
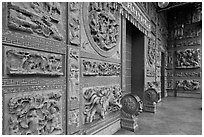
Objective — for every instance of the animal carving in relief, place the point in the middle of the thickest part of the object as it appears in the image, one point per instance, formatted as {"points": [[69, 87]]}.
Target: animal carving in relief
{"points": [[98, 100], [35, 114]]}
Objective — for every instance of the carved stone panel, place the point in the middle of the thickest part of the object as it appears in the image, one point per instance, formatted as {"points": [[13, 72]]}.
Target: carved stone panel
{"points": [[100, 68], [150, 72], [188, 74], [74, 23], [73, 121], [170, 84], [74, 74], [151, 53], [33, 113], [188, 85], [101, 100], [39, 18], [170, 60], [26, 62], [189, 58], [102, 26]]}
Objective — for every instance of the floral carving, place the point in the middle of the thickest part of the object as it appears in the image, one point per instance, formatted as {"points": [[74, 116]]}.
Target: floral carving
{"points": [[96, 68], [35, 114], [27, 62], [188, 58], [98, 100], [102, 26], [41, 18], [188, 85], [74, 23]]}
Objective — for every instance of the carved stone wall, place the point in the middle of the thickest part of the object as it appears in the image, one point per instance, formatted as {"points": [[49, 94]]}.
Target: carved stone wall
{"points": [[185, 41], [33, 68]]}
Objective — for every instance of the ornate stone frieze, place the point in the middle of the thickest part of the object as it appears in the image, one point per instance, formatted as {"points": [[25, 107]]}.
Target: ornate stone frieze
{"points": [[41, 18], [151, 53], [188, 85], [99, 101], [188, 58], [20, 61], [74, 23], [101, 20], [35, 114], [99, 68], [196, 42], [188, 74], [74, 69]]}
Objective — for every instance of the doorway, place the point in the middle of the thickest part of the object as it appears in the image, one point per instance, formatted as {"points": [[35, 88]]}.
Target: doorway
{"points": [[135, 56]]}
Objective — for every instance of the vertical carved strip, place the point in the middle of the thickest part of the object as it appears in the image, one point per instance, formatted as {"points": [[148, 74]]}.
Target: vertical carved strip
{"points": [[73, 121], [73, 77], [170, 60], [74, 23]]}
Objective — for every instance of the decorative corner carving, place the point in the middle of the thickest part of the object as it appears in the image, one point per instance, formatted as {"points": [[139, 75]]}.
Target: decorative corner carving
{"points": [[188, 85], [99, 68], [33, 62], [41, 18], [74, 23], [188, 58], [35, 114], [101, 21], [100, 100]]}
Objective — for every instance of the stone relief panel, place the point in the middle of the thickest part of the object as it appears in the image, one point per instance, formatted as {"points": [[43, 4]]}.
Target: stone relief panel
{"points": [[34, 113], [73, 121], [170, 60], [101, 100], [74, 74], [24, 62], [40, 18], [194, 42], [102, 26], [170, 84], [74, 23], [188, 85], [100, 68], [188, 58], [188, 74], [151, 53]]}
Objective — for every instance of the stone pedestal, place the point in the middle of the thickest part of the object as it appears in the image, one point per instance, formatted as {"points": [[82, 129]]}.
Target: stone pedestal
{"points": [[131, 107], [149, 107], [129, 122]]}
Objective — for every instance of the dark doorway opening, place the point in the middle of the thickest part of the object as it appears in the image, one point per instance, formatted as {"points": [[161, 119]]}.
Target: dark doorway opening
{"points": [[135, 41]]}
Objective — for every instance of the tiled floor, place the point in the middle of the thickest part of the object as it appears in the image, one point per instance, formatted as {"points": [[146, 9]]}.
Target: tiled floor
{"points": [[174, 116]]}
